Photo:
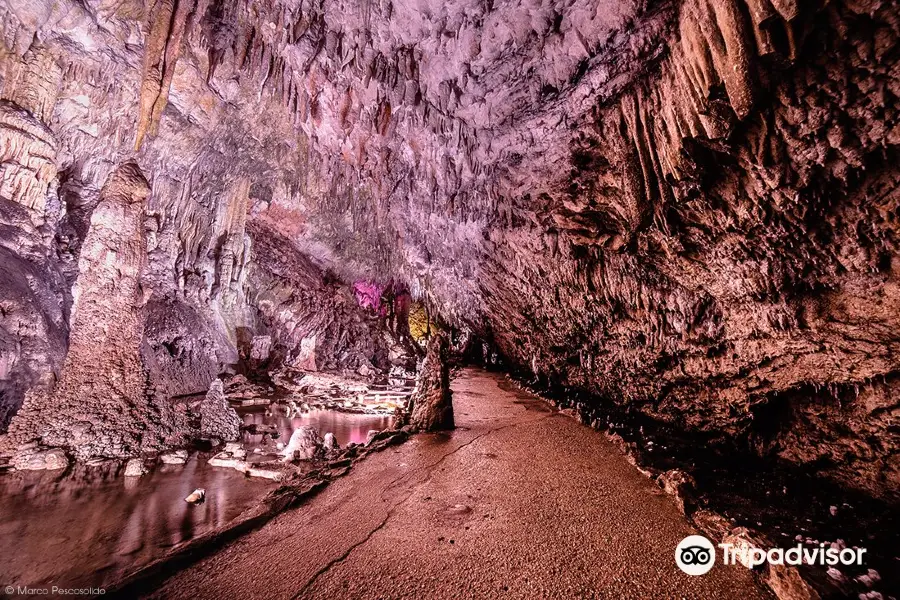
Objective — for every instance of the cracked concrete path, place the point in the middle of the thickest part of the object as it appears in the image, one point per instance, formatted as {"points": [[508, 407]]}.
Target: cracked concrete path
{"points": [[518, 502]]}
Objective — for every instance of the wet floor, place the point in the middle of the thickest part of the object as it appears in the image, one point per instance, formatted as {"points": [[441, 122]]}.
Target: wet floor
{"points": [[91, 525]]}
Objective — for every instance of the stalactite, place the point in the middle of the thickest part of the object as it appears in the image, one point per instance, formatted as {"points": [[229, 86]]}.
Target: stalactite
{"points": [[168, 22]]}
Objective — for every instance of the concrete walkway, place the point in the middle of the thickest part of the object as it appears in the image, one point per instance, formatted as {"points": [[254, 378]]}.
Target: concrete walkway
{"points": [[518, 502]]}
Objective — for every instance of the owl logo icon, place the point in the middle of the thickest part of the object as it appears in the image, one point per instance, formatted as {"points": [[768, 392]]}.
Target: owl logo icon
{"points": [[695, 555]]}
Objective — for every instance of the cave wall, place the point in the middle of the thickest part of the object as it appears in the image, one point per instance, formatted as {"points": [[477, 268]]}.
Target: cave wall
{"points": [[724, 256], [685, 207]]}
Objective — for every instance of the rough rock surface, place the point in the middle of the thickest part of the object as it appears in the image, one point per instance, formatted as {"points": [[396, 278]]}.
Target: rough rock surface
{"points": [[432, 405], [32, 458], [687, 208], [135, 467], [101, 406], [305, 444], [330, 443], [217, 419]]}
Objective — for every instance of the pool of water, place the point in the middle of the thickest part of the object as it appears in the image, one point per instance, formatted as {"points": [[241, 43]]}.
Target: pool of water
{"points": [[89, 526], [346, 427]]}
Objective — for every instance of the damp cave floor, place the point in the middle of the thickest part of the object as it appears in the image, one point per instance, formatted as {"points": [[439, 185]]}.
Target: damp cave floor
{"points": [[519, 501]]}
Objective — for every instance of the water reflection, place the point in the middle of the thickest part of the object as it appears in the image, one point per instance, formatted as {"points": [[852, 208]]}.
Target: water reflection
{"points": [[91, 525], [347, 428]]}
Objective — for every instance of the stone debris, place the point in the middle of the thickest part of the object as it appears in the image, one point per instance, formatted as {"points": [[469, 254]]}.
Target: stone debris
{"points": [[178, 457], [196, 497], [34, 459], [343, 392]]}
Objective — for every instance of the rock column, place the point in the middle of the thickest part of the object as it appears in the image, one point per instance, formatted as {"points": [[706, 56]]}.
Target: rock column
{"points": [[101, 406], [432, 407]]}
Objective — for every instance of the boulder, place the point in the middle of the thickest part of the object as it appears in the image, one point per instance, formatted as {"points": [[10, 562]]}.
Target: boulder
{"points": [[330, 443], [226, 460], [432, 406], [305, 444], [217, 418], [135, 467], [33, 459], [681, 487]]}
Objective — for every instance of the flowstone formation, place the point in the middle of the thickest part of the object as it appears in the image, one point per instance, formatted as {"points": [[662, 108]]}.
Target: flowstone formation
{"points": [[101, 405], [217, 419], [431, 401], [684, 210]]}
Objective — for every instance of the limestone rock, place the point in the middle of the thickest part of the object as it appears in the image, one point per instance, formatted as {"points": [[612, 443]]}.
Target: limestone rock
{"points": [[330, 443], [217, 418], [178, 457], [135, 467], [37, 459], [196, 497], [682, 487], [103, 384], [432, 407], [305, 444], [261, 348]]}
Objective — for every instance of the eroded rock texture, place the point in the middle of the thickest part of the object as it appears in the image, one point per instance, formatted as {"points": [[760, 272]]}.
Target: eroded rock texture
{"points": [[101, 406], [683, 207], [432, 403], [217, 419]]}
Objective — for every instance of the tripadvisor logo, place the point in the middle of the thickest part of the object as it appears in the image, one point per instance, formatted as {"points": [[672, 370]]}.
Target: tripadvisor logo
{"points": [[696, 555]]}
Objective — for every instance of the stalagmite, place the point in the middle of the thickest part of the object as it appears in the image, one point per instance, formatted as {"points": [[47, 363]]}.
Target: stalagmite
{"points": [[432, 406], [101, 406]]}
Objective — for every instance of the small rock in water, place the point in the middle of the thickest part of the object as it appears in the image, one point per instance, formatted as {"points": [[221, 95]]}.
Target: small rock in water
{"points": [[330, 442], [179, 457], [196, 497], [135, 467]]}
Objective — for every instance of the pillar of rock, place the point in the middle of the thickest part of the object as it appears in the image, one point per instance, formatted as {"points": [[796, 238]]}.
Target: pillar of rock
{"points": [[432, 402], [101, 406]]}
